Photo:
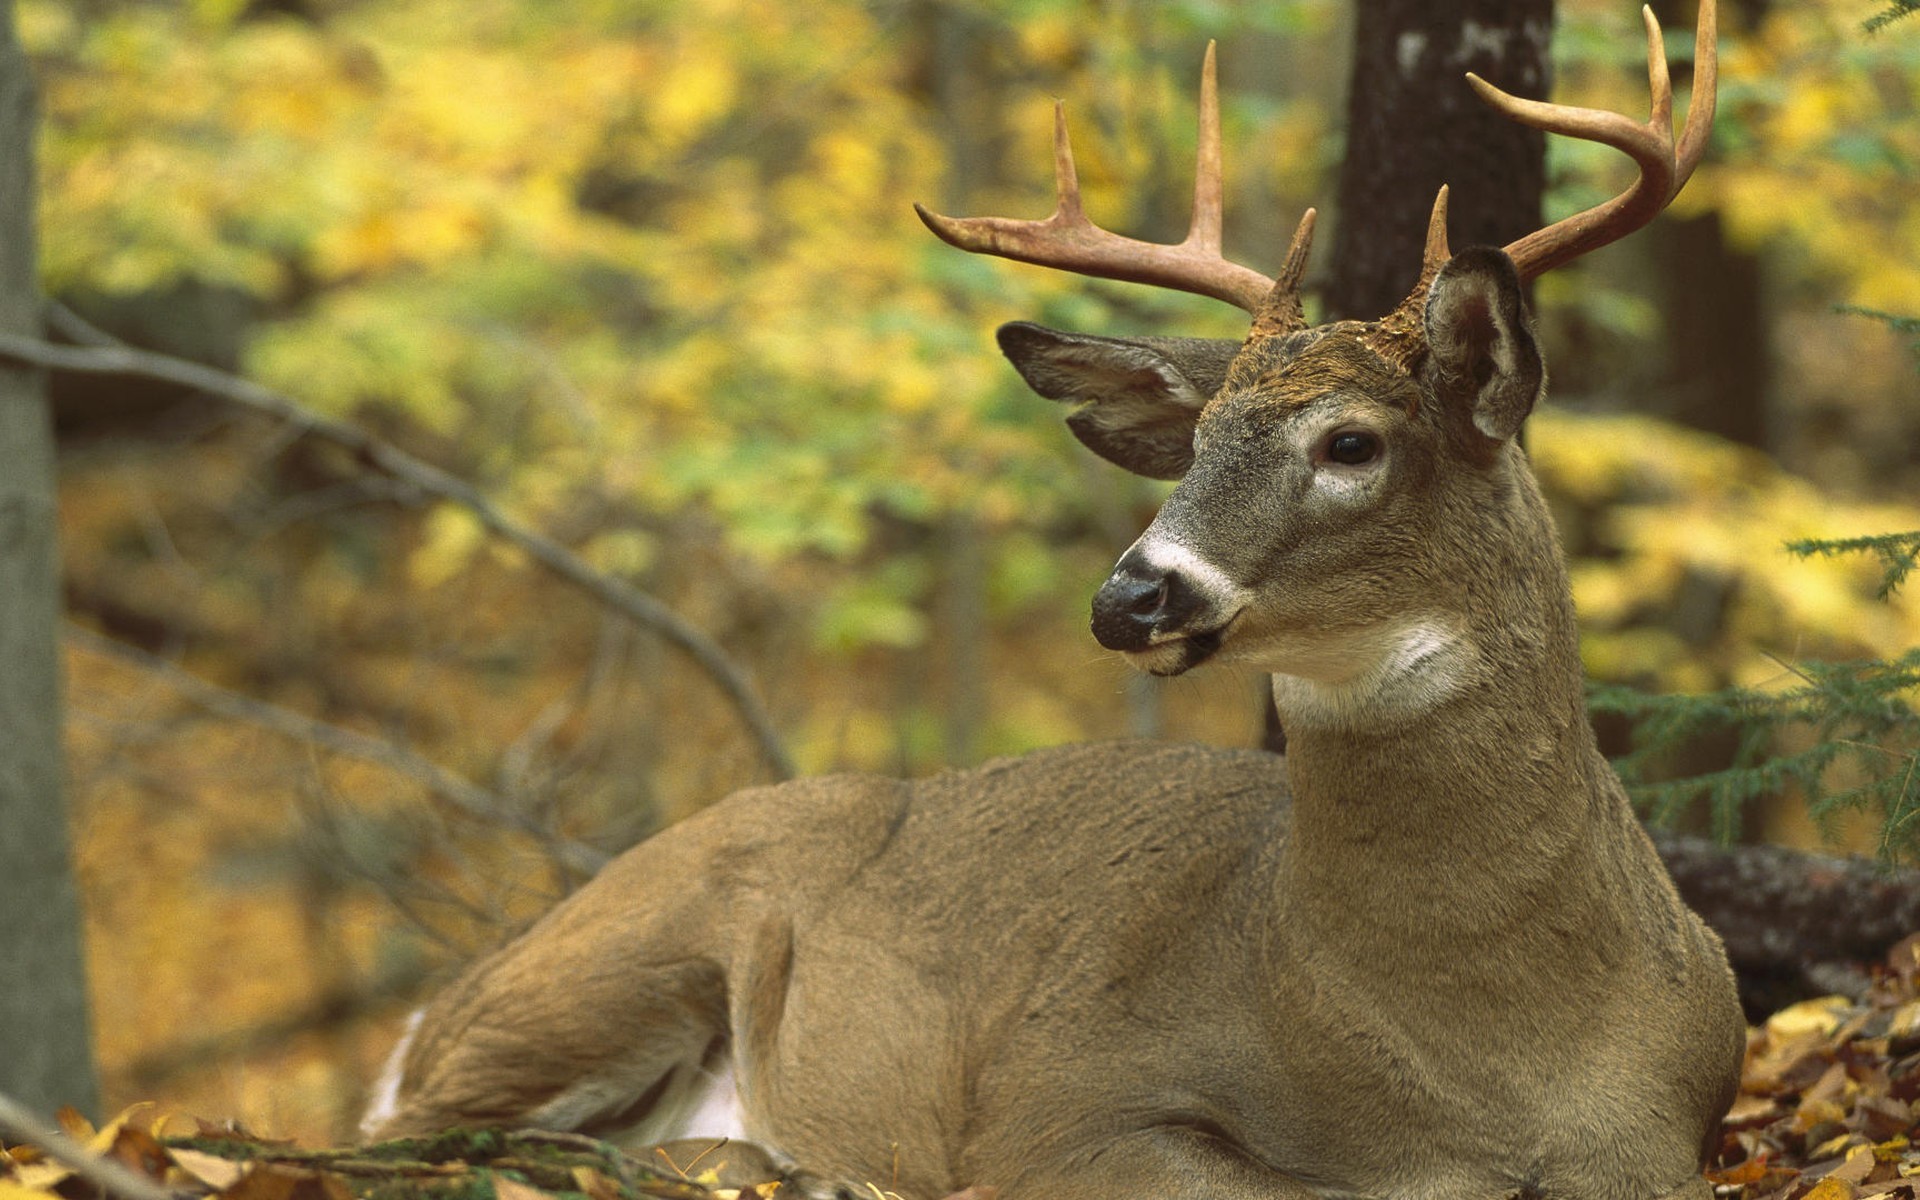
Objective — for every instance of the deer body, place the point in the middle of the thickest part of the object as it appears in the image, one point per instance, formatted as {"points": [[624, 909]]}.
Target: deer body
{"points": [[1115, 966], [1430, 954]]}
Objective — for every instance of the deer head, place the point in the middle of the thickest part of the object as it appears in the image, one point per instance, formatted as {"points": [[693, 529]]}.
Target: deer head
{"points": [[1337, 482]]}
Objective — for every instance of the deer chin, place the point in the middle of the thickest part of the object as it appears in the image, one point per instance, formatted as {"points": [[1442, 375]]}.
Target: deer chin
{"points": [[1176, 654]]}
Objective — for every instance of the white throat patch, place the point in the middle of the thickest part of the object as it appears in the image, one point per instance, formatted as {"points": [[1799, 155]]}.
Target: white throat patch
{"points": [[1376, 675]]}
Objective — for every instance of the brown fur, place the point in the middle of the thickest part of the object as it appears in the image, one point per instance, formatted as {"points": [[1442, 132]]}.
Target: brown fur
{"points": [[1430, 954]]}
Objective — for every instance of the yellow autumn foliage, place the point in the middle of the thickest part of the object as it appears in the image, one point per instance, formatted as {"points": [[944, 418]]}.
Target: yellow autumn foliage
{"points": [[648, 274]]}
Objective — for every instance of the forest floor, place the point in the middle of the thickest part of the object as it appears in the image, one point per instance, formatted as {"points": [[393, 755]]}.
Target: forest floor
{"points": [[1827, 1110]]}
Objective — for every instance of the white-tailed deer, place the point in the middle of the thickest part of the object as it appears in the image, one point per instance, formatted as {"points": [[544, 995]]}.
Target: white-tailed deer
{"points": [[1429, 955]]}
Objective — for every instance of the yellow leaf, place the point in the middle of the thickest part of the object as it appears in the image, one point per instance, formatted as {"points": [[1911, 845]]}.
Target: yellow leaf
{"points": [[1820, 1015], [452, 535]]}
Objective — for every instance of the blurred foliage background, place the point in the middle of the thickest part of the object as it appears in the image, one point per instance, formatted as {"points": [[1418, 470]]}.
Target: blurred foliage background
{"points": [[647, 273]]}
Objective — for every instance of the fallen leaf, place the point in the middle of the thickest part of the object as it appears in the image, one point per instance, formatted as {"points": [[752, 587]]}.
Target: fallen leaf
{"points": [[1751, 1171], [1830, 1147], [1857, 1167], [73, 1123], [210, 1169], [1821, 1016]]}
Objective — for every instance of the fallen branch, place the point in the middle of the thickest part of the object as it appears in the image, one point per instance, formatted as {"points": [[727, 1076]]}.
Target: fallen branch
{"points": [[22, 1127], [462, 793], [643, 610], [1795, 923]]}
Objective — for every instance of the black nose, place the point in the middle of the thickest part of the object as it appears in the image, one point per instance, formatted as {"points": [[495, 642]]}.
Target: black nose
{"points": [[1138, 601]]}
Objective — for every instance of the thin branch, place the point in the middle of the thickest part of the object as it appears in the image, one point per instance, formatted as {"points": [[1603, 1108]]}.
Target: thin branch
{"points": [[22, 1126], [330, 1010], [462, 793], [636, 606]]}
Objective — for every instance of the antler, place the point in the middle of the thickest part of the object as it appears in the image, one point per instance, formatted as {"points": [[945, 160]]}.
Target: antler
{"points": [[1664, 169], [1070, 241]]}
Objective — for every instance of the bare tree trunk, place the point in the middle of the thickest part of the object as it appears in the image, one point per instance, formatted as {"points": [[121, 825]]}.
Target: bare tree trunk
{"points": [[45, 1055], [1414, 124]]}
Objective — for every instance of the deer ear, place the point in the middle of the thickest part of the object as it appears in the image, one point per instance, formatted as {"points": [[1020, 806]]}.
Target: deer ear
{"points": [[1480, 340], [1137, 398]]}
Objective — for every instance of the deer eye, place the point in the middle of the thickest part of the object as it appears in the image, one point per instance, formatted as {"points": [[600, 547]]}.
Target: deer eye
{"points": [[1352, 448]]}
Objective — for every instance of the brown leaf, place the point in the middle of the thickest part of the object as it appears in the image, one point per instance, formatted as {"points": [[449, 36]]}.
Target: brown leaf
{"points": [[139, 1151], [1750, 1111], [1882, 1117], [1856, 1168], [209, 1169], [1750, 1171], [73, 1123]]}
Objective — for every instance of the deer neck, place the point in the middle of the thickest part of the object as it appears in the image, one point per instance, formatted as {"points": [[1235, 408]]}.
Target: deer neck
{"points": [[1459, 759]]}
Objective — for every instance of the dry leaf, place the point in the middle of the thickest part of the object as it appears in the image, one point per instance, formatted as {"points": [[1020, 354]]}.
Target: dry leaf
{"points": [[1751, 1171], [1858, 1166], [210, 1169]]}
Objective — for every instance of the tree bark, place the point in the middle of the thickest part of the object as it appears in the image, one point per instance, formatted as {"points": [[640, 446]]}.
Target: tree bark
{"points": [[1413, 124], [45, 1053]]}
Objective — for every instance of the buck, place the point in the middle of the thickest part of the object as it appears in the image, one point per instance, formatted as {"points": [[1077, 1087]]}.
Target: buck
{"points": [[1429, 954]]}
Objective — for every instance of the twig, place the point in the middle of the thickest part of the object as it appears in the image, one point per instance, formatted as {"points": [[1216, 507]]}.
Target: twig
{"points": [[463, 794], [21, 1125], [636, 606]]}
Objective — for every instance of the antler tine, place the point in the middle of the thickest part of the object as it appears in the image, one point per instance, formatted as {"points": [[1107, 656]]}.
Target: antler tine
{"points": [[1651, 146], [1281, 311], [1071, 242], [1209, 193], [1437, 251], [1700, 109]]}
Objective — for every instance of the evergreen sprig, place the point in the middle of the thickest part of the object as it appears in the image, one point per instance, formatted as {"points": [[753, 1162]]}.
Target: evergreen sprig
{"points": [[1898, 552], [1863, 750], [1863, 735], [1899, 9]]}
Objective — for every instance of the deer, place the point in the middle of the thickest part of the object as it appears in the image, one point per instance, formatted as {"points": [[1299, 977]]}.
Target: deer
{"points": [[1428, 953]]}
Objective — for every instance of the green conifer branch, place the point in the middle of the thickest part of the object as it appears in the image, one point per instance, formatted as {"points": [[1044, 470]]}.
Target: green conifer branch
{"points": [[1898, 552], [1880, 20]]}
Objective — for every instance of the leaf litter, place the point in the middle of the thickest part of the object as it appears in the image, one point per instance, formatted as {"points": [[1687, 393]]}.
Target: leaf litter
{"points": [[1828, 1109]]}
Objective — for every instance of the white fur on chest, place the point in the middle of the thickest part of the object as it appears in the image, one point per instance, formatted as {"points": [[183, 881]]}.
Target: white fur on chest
{"points": [[1376, 675]]}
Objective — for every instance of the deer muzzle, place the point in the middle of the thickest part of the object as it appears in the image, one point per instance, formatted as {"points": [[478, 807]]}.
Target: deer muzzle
{"points": [[1145, 605]]}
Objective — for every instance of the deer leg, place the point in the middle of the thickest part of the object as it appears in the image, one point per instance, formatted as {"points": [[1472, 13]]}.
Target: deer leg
{"points": [[609, 1016], [1168, 1161]]}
